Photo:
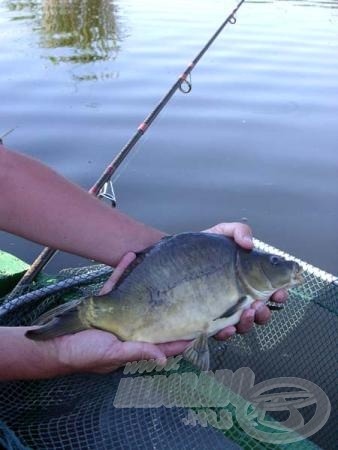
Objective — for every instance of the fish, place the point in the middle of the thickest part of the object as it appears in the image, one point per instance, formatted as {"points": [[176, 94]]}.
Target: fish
{"points": [[186, 286]]}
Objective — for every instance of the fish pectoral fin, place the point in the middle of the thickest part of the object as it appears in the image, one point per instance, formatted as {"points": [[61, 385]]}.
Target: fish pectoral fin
{"points": [[67, 322], [236, 307], [198, 352]]}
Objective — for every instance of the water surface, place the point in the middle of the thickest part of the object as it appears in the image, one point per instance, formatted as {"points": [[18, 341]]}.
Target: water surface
{"points": [[257, 137]]}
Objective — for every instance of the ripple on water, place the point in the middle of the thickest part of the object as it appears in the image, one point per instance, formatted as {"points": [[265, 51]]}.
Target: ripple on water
{"points": [[257, 136]]}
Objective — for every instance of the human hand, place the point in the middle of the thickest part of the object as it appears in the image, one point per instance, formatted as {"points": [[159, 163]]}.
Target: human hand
{"points": [[258, 312], [102, 352]]}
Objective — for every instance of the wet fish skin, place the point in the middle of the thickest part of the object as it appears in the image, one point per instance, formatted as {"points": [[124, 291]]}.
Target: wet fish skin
{"points": [[180, 288]]}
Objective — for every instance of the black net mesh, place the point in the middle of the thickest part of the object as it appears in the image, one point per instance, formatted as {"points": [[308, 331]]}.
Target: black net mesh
{"points": [[88, 411]]}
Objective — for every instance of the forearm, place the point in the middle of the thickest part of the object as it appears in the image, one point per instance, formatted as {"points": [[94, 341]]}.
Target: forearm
{"points": [[22, 358], [40, 205]]}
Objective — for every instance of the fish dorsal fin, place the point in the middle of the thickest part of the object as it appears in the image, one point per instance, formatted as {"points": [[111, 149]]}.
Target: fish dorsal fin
{"points": [[198, 352]]}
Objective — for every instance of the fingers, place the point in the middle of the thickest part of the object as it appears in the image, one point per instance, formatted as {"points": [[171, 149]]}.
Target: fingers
{"points": [[118, 271], [262, 313], [226, 333], [241, 233], [137, 351], [245, 324], [280, 296], [173, 348], [247, 321], [258, 313]]}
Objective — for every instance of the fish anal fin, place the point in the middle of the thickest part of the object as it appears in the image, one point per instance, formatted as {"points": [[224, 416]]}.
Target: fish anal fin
{"points": [[198, 352]]}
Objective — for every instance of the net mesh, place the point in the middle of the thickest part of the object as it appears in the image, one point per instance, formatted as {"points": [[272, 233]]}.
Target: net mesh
{"points": [[86, 411]]}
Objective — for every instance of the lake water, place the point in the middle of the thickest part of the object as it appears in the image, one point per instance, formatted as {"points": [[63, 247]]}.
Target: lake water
{"points": [[257, 137]]}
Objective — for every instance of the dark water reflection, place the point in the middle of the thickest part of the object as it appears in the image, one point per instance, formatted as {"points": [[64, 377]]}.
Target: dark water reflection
{"points": [[257, 136]]}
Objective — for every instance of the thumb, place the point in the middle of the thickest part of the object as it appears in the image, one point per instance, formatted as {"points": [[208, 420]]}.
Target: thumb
{"points": [[137, 351], [242, 235], [127, 259]]}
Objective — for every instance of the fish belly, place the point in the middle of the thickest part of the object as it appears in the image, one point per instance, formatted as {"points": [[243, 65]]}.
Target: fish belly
{"points": [[188, 310]]}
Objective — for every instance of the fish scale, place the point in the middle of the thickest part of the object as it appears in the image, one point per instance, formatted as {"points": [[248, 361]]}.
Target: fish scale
{"points": [[187, 286]]}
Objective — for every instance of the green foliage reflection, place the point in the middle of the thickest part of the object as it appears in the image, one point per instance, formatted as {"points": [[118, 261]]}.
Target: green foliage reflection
{"points": [[86, 30]]}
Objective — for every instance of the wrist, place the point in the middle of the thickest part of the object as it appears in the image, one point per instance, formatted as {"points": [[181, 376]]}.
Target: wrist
{"points": [[63, 354], [54, 357], [22, 358], [43, 357]]}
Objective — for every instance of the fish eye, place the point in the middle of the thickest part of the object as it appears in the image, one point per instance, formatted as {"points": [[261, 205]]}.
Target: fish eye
{"points": [[274, 260]]}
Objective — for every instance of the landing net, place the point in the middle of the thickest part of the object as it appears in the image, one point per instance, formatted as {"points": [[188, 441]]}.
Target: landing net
{"points": [[295, 355]]}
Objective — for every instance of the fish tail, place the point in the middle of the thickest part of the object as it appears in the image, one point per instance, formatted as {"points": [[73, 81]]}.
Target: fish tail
{"points": [[67, 323]]}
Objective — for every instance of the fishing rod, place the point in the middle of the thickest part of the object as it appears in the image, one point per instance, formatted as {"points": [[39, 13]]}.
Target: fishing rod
{"points": [[6, 134], [103, 186]]}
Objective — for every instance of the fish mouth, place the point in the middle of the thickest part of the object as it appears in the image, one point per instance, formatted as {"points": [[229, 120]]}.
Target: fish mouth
{"points": [[297, 275]]}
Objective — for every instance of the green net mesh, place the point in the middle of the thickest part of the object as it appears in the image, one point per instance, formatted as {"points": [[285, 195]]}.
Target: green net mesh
{"points": [[140, 408]]}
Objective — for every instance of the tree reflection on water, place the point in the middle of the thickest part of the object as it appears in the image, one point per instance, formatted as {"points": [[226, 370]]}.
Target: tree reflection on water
{"points": [[80, 31]]}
